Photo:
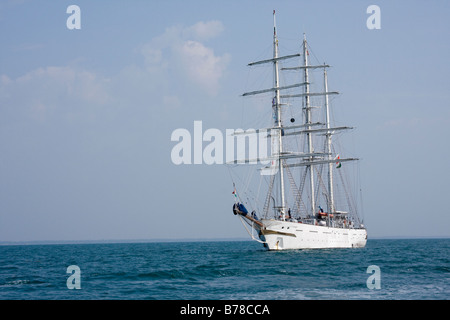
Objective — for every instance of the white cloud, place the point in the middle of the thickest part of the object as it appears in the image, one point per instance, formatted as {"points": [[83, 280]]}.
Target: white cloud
{"points": [[74, 83], [203, 30], [153, 58], [202, 65], [45, 91], [182, 52], [174, 63]]}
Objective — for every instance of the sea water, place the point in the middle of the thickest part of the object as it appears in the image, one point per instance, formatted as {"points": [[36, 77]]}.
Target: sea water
{"points": [[225, 270]]}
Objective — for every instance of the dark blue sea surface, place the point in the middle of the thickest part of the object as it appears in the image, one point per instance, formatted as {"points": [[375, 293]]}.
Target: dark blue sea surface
{"points": [[226, 270]]}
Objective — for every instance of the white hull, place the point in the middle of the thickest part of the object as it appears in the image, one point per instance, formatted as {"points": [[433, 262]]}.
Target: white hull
{"points": [[282, 235]]}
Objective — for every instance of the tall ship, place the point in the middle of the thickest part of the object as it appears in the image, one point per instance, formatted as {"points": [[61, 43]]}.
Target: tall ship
{"points": [[304, 198]]}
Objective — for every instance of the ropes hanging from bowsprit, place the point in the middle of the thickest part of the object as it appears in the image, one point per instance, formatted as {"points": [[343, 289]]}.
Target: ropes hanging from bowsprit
{"points": [[240, 209]]}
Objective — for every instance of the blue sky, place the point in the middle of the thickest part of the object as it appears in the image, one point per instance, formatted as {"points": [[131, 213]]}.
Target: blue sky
{"points": [[86, 115]]}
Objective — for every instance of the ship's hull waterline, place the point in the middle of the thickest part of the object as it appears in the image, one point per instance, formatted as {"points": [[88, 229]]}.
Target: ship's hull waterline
{"points": [[285, 235]]}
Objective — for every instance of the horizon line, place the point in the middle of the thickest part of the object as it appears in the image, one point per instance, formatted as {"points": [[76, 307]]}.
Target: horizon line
{"points": [[162, 240]]}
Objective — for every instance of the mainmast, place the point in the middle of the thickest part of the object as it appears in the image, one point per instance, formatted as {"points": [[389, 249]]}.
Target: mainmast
{"points": [[308, 123], [278, 123], [331, 208]]}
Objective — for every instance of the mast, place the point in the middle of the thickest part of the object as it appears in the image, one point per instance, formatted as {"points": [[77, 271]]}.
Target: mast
{"points": [[278, 113], [328, 136], [308, 122]]}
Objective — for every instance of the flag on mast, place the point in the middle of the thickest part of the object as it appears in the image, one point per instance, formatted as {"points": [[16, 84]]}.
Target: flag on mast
{"points": [[338, 164]]}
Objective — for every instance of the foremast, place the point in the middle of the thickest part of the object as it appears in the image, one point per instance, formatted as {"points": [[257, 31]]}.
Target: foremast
{"points": [[278, 123]]}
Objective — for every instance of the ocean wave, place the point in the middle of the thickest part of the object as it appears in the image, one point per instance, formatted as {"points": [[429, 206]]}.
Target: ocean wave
{"points": [[21, 282], [235, 271]]}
